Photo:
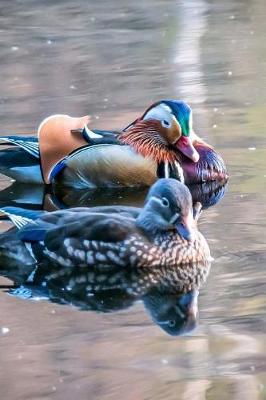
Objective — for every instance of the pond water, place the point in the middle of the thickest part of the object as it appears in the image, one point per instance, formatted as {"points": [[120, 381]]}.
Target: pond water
{"points": [[112, 60]]}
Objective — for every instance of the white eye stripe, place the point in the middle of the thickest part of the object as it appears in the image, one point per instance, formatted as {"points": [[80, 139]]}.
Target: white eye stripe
{"points": [[161, 200], [162, 113]]}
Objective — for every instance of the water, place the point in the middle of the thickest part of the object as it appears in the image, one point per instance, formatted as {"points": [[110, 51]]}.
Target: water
{"points": [[111, 61]]}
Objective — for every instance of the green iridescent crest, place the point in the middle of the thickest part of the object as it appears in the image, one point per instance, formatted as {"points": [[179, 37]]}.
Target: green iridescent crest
{"points": [[183, 114]]}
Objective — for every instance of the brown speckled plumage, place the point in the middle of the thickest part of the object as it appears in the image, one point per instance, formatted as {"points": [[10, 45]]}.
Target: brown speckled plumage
{"points": [[169, 261], [135, 251]]}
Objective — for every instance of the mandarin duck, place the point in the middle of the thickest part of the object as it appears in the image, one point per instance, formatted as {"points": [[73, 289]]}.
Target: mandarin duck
{"points": [[161, 143], [154, 253], [161, 234]]}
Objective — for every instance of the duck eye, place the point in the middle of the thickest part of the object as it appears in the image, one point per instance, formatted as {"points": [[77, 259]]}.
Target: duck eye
{"points": [[165, 202], [171, 323], [165, 123]]}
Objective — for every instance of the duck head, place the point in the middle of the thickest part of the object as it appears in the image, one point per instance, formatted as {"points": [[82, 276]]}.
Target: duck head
{"points": [[174, 313], [168, 207], [163, 128], [165, 133]]}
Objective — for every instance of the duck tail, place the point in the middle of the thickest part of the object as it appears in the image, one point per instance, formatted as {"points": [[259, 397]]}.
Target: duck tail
{"points": [[21, 162], [28, 143], [16, 261], [19, 216]]}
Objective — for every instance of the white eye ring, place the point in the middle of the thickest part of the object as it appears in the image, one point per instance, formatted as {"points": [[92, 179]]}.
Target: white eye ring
{"points": [[171, 323], [165, 202], [165, 123]]}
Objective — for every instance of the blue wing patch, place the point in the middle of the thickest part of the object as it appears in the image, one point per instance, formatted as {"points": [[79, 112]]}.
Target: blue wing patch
{"points": [[32, 233]]}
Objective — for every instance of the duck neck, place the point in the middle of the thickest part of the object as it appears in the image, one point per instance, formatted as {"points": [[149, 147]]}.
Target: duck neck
{"points": [[145, 139], [152, 225]]}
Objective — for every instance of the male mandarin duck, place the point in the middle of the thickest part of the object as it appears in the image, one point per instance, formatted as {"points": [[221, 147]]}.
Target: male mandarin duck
{"points": [[161, 234], [161, 143]]}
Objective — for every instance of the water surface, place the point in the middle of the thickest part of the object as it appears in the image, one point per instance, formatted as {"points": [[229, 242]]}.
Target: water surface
{"points": [[112, 60]]}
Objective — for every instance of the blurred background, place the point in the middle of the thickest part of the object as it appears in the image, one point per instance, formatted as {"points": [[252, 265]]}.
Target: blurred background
{"points": [[112, 59]]}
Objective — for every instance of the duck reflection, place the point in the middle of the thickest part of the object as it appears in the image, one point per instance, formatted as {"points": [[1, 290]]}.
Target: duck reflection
{"points": [[171, 303], [54, 198], [176, 314]]}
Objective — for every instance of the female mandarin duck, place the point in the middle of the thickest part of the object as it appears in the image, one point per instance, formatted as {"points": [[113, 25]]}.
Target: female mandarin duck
{"points": [[169, 292], [161, 143], [163, 235], [114, 255]]}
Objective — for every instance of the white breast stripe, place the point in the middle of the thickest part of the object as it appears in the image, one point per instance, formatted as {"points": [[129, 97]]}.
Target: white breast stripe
{"points": [[166, 169], [180, 172]]}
